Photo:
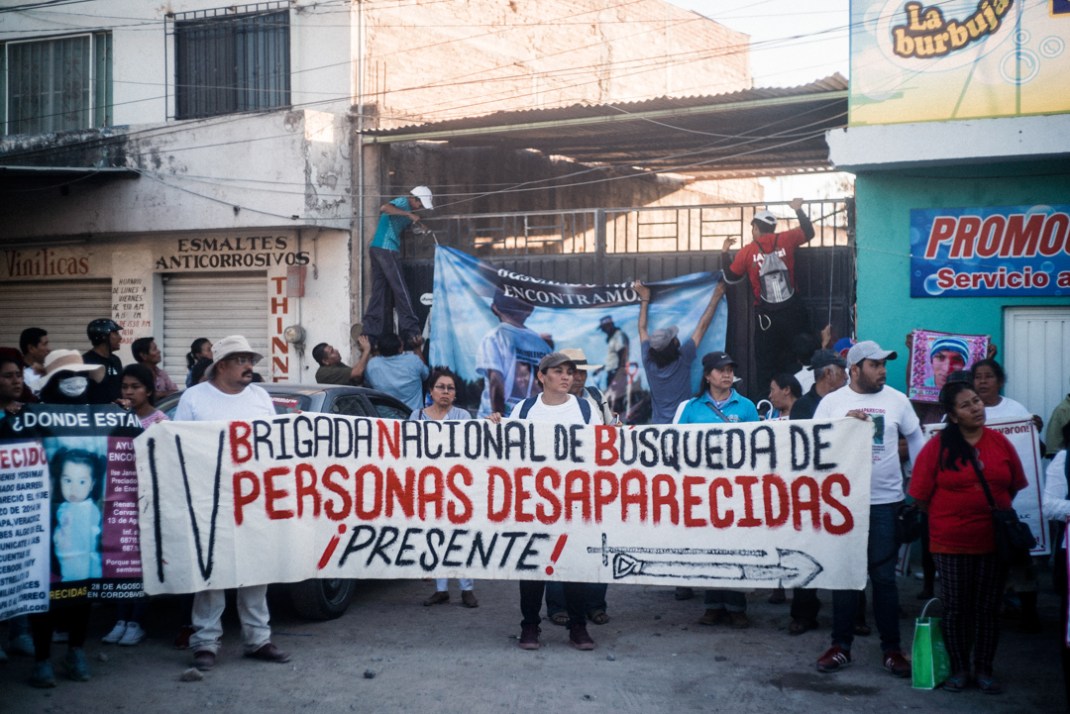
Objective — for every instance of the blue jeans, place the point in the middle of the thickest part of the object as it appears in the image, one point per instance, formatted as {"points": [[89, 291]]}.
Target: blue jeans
{"points": [[882, 553]]}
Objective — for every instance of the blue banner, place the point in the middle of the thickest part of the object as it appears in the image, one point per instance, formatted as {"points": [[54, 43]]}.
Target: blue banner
{"points": [[489, 323], [1021, 251]]}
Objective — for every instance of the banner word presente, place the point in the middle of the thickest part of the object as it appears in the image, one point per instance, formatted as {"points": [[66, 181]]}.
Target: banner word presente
{"points": [[318, 496]]}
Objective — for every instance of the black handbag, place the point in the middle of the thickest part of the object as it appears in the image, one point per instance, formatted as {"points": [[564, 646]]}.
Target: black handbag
{"points": [[1013, 538], [909, 523]]}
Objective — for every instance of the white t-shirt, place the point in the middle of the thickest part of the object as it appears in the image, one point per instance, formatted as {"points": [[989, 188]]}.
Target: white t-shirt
{"points": [[892, 416], [567, 413], [203, 402], [1007, 409]]}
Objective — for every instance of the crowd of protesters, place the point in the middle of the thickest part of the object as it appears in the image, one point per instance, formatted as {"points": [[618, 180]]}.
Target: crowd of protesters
{"points": [[848, 380]]}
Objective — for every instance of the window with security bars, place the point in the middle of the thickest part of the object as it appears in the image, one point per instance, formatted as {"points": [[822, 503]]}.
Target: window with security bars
{"points": [[231, 63], [57, 84]]}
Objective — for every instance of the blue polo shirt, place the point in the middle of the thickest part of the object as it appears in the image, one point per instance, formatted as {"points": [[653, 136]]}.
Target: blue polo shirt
{"points": [[388, 232], [700, 410]]}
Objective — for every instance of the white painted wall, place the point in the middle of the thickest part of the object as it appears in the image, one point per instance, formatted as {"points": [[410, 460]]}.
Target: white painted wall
{"points": [[142, 65], [271, 167]]}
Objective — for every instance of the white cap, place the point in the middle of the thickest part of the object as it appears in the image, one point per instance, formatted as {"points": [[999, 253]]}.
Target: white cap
{"points": [[765, 217], [868, 349], [424, 194]]}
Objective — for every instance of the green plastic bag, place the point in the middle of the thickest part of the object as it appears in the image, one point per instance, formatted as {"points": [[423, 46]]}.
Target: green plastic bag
{"points": [[930, 664]]}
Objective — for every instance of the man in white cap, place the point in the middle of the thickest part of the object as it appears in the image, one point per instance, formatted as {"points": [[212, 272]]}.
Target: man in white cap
{"points": [[228, 394], [868, 398], [769, 262], [388, 284]]}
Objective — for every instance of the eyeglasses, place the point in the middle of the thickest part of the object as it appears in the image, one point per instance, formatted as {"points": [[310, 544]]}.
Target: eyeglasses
{"points": [[444, 388], [241, 359]]}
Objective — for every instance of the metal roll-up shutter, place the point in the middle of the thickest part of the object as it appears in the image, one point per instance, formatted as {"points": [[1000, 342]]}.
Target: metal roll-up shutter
{"points": [[62, 307], [212, 305]]}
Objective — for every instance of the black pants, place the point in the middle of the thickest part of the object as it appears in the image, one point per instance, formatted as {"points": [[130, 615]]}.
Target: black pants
{"points": [[531, 592], [774, 332]]}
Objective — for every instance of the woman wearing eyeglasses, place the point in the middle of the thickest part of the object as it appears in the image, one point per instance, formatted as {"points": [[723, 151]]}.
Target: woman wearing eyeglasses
{"points": [[442, 386]]}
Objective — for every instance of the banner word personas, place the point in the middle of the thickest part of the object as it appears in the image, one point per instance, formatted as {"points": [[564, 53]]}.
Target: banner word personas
{"points": [[492, 327], [1022, 434], [1019, 251], [319, 496], [88, 483], [24, 528]]}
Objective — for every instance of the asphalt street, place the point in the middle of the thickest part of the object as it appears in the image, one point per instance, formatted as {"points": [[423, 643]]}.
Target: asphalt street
{"points": [[389, 653]]}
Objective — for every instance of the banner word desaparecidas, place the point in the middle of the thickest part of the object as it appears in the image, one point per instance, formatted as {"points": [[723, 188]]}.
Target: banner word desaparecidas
{"points": [[306, 496]]}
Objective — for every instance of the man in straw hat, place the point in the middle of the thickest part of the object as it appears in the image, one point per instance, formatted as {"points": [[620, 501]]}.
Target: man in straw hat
{"points": [[227, 394]]}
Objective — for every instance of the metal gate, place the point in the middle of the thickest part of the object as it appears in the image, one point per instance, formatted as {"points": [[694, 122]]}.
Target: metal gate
{"points": [[606, 246]]}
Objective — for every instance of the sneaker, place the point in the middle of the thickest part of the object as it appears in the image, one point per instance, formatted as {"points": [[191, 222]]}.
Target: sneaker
{"points": [[713, 617], [468, 598], [116, 633], [43, 677], [578, 637], [529, 637], [834, 659], [133, 635], [896, 663], [269, 653], [77, 665], [204, 660], [989, 684], [439, 598]]}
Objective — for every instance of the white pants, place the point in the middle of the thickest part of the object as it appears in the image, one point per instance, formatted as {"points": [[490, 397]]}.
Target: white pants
{"points": [[442, 584], [252, 611]]}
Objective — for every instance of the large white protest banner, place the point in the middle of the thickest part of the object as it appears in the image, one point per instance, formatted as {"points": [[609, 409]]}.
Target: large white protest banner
{"points": [[1022, 434], [308, 495]]}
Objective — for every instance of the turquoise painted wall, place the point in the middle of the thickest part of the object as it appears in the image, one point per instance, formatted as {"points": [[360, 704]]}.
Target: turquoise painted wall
{"points": [[886, 312]]}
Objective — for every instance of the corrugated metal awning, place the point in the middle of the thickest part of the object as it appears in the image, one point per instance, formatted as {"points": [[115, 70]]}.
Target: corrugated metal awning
{"points": [[754, 132]]}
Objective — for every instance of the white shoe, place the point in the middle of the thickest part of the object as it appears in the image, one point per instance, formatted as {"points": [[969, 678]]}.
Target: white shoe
{"points": [[116, 633], [133, 635]]}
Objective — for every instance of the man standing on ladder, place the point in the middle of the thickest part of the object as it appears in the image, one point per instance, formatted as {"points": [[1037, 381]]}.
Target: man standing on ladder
{"points": [[769, 263], [388, 284]]}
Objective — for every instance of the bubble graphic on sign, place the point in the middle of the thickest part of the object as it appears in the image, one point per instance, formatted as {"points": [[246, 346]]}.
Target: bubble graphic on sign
{"points": [[1052, 47], [1047, 267], [1019, 67], [931, 286]]}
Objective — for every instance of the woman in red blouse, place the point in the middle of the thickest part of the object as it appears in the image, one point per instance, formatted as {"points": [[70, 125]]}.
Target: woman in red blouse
{"points": [[945, 482]]}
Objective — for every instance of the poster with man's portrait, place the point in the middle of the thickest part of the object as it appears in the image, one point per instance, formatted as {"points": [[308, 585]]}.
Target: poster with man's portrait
{"points": [[935, 355]]}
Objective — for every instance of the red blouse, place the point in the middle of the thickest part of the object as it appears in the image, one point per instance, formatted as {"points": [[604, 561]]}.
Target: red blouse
{"points": [[960, 519]]}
